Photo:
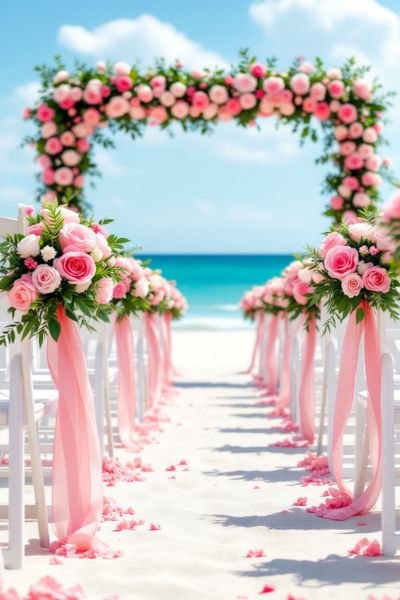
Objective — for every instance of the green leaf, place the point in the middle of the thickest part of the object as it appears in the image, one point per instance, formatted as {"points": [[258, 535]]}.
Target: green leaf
{"points": [[54, 328], [360, 314]]}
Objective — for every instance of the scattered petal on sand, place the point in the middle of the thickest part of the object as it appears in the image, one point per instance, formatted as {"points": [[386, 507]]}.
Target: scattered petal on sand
{"points": [[255, 554], [154, 527], [171, 468], [361, 523], [267, 589], [301, 501], [366, 548], [336, 500]]}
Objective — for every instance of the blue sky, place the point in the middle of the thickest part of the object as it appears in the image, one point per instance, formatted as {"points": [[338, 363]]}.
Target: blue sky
{"points": [[236, 191]]}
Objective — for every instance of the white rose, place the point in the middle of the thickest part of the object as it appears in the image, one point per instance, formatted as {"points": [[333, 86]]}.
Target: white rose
{"points": [[362, 231], [29, 246], [96, 254]]}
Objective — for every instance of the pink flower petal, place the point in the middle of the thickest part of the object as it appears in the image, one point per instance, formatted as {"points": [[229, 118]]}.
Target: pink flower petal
{"points": [[267, 589], [301, 501], [154, 527]]}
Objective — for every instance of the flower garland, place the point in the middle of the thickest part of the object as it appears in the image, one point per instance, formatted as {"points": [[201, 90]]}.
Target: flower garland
{"points": [[390, 222], [130, 294], [64, 259], [353, 265], [75, 107]]}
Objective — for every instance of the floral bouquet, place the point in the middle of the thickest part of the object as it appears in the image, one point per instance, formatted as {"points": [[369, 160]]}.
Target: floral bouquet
{"points": [[130, 294], [390, 221], [299, 281], [177, 303], [273, 298], [353, 267], [251, 302], [64, 259]]}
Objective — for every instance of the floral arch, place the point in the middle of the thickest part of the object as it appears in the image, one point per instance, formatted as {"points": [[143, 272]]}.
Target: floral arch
{"points": [[75, 108]]}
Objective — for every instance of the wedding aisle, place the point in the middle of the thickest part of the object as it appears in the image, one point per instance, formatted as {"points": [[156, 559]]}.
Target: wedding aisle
{"points": [[216, 491]]}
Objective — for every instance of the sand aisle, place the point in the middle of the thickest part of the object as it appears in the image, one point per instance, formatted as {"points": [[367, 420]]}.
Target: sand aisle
{"points": [[228, 502]]}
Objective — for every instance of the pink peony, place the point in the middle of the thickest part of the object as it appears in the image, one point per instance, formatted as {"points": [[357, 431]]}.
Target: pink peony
{"points": [[273, 85], [67, 138], [365, 150], [76, 267], [45, 113], [347, 148], [71, 158], [361, 200], [258, 70], [104, 290], [336, 88], [309, 105], [158, 114], [141, 288], [337, 203], [318, 91], [347, 113], [371, 179], [356, 130], [92, 116], [120, 290], [144, 93], [178, 89], [362, 89], [75, 237], [82, 145], [322, 111], [353, 162], [248, 101], [300, 289], [49, 129], [341, 261], [332, 240], [244, 82], [370, 136], [211, 111], [167, 99], [200, 100], [53, 146], [93, 93], [351, 182], [46, 279], [180, 110], [218, 94], [376, 279], [63, 176], [22, 293], [352, 285], [287, 109], [121, 68], [117, 107], [373, 162], [300, 84], [48, 176], [340, 133]]}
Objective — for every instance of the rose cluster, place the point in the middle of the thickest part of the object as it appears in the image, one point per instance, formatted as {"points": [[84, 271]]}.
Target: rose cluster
{"points": [[62, 259], [78, 105]]}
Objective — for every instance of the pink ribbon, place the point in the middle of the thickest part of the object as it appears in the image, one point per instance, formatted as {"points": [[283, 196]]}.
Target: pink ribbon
{"points": [[257, 341], [344, 401], [126, 383], [271, 358], [307, 383], [77, 463], [154, 359]]}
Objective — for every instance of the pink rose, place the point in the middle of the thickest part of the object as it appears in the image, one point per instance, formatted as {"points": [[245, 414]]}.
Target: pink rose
{"points": [[362, 89], [258, 70], [353, 162], [200, 100], [300, 84], [49, 129], [318, 91], [300, 289], [376, 279], [336, 88], [82, 145], [48, 176], [68, 215], [361, 200], [92, 116], [337, 202], [75, 237], [248, 101], [53, 146], [104, 290], [144, 93], [340, 133], [63, 176], [351, 285], [46, 279], [244, 82], [331, 241], [341, 261], [67, 138], [141, 288], [158, 114], [370, 136], [392, 209], [356, 130], [218, 94], [76, 267], [117, 107], [22, 293], [45, 113], [102, 245], [71, 158], [36, 229], [347, 113], [273, 85], [120, 290], [322, 111]]}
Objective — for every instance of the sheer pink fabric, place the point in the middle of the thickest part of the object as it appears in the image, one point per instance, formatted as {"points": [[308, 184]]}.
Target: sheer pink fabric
{"points": [[126, 383], [283, 398], [77, 463], [307, 384], [344, 401], [271, 357], [167, 364], [257, 341], [155, 359]]}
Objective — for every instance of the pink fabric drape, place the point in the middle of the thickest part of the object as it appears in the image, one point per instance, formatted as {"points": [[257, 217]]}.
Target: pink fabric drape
{"points": [[168, 369], [307, 383], [271, 358], [257, 341], [155, 359], [77, 462], [126, 383], [283, 398], [344, 401]]}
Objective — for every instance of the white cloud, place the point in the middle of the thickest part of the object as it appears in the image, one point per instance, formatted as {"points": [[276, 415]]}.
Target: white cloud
{"points": [[242, 153], [144, 38], [356, 20], [13, 194], [13, 158], [27, 93], [107, 164]]}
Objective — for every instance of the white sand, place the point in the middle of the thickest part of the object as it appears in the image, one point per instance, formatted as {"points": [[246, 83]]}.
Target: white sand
{"points": [[211, 515]]}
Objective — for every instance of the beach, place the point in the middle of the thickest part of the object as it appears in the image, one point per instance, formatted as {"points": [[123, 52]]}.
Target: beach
{"points": [[231, 493]]}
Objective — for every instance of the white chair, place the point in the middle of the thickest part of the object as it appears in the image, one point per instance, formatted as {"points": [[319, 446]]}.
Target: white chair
{"points": [[21, 408], [141, 366]]}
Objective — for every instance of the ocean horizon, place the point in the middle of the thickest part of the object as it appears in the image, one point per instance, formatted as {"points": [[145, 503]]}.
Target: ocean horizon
{"points": [[214, 284]]}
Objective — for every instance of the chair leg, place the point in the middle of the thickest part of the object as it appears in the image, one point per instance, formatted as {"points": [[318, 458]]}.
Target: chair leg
{"points": [[390, 541], [361, 451], [36, 462], [13, 555]]}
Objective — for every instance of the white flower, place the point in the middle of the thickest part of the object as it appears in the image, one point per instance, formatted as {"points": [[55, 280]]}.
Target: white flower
{"points": [[96, 254], [29, 246], [48, 253]]}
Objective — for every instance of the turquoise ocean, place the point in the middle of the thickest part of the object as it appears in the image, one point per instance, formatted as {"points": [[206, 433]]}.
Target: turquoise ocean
{"points": [[214, 284]]}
